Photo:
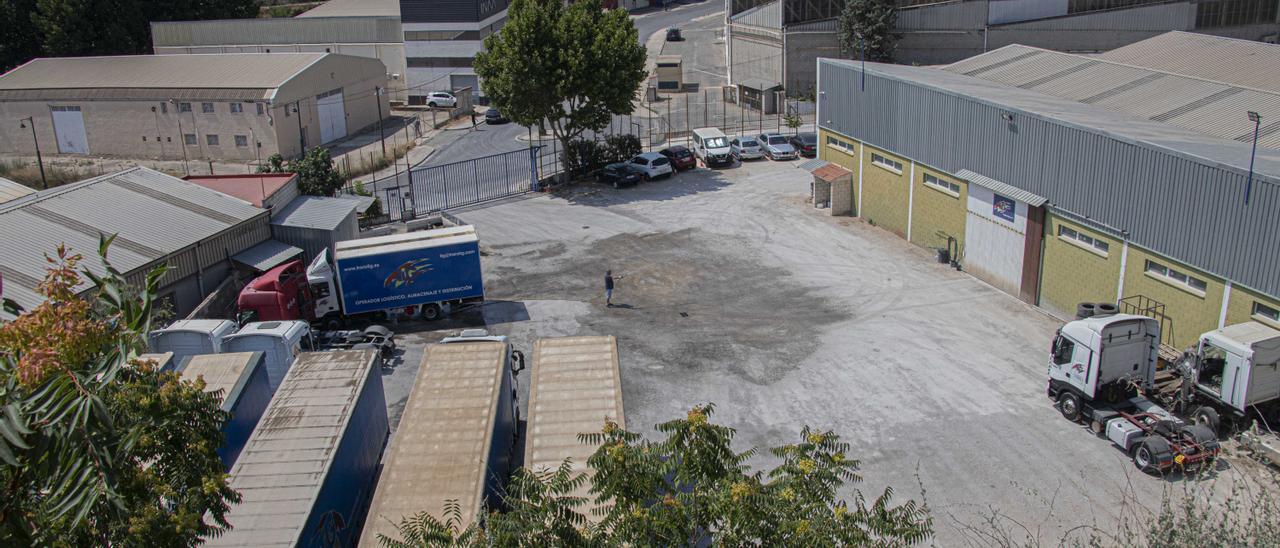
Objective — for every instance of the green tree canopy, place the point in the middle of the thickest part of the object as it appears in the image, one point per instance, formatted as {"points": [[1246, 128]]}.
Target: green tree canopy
{"points": [[866, 27], [98, 448], [689, 489], [572, 67], [317, 175]]}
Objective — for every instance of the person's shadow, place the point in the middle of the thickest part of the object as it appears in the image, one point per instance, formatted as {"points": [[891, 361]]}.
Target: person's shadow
{"points": [[623, 306]]}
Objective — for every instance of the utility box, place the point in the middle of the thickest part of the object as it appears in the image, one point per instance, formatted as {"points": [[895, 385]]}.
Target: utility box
{"points": [[670, 72]]}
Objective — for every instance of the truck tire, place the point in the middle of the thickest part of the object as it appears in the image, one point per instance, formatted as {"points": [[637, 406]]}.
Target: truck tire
{"points": [[1069, 405], [1207, 417], [1147, 453], [431, 312]]}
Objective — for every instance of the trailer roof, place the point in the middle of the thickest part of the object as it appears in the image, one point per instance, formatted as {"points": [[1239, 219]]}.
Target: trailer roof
{"points": [[574, 387], [283, 465], [440, 450], [280, 328], [1251, 335], [228, 373], [410, 240]]}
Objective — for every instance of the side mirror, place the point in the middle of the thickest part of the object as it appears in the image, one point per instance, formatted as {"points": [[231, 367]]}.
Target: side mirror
{"points": [[517, 361]]}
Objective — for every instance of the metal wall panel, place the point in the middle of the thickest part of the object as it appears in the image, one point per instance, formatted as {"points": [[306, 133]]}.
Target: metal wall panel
{"points": [[1158, 17], [948, 16], [304, 30], [755, 60], [1191, 209]]}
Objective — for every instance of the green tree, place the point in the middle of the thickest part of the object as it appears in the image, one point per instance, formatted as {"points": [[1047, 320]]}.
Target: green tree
{"points": [[317, 176], [689, 489], [573, 67], [97, 447], [866, 27]]}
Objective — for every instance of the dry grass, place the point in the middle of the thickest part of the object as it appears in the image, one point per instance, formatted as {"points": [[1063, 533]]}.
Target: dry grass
{"points": [[363, 166], [28, 173]]}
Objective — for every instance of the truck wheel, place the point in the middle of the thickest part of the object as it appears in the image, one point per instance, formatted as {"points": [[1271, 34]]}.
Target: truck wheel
{"points": [[431, 312], [1069, 404], [1207, 417], [1147, 453]]}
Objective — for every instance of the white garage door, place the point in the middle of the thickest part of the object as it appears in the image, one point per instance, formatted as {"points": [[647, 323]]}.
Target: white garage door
{"points": [[333, 116], [68, 127], [995, 238]]}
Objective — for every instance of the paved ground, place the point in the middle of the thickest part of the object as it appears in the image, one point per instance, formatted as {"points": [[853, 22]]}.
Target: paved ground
{"points": [[737, 292]]}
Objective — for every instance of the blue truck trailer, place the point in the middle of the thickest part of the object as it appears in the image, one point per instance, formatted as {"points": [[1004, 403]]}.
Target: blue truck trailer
{"points": [[241, 380], [308, 470], [414, 274]]}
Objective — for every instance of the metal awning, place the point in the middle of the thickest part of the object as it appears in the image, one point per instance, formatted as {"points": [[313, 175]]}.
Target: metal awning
{"points": [[1002, 188], [267, 255], [810, 165], [363, 203]]}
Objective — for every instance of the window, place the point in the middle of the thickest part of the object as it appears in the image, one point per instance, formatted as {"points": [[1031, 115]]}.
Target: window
{"points": [[144, 138], [189, 138], [211, 140], [945, 186], [184, 107], [886, 163], [1229, 13], [833, 142], [242, 140], [1265, 312], [426, 35], [237, 108], [1176, 278], [206, 108], [1086, 241], [164, 108], [1063, 349], [260, 108]]}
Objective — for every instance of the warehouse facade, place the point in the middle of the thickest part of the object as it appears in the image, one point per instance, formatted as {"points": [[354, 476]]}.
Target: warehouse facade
{"points": [[1059, 201], [230, 107]]}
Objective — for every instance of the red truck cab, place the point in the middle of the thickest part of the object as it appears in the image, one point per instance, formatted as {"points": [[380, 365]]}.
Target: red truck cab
{"points": [[281, 293]]}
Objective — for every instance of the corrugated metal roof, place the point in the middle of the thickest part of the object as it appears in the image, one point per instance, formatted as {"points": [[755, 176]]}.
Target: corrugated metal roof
{"points": [[1002, 188], [1209, 107], [228, 372], [263, 31], [153, 214], [344, 8], [831, 173], [765, 15], [12, 190], [315, 212], [811, 165], [286, 460], [1233, 61], [209, 71], [267, 255]]}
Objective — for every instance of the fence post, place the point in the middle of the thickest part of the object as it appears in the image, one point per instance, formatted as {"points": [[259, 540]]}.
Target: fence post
{"points": [[534, 183]]}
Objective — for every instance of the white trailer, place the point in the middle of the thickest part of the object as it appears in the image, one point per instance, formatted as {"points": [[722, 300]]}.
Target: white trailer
{"points": [[280, 342], [186, 338], [456, 438], [575, 386]]}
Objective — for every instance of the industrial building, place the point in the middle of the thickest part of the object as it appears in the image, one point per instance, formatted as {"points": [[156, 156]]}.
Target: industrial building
{"points": [[228, 107], [158, 220], [772, 45], [441, 40], [1063, 179]]}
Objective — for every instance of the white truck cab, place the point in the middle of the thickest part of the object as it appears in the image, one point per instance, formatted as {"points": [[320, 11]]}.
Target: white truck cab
{"points": [[1239, 366], [1104, 357], [279, 341]]}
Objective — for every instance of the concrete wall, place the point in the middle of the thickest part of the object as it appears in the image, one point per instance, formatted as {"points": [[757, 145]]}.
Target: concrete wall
{"points": [[1191, 313], [935, 211], [1072, 274], [803, 51], [1240, 307], [885, 195], [754, 58], [357, 76]]}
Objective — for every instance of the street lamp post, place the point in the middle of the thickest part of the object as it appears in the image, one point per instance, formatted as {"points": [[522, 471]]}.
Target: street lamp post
{"points": [[39, 160], [1257, 124], [382, 135]]}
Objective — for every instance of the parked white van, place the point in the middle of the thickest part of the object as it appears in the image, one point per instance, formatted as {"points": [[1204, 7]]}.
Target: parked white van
{"points": [[711, 145]]}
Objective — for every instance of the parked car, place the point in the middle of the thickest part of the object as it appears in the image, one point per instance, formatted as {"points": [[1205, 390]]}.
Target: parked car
{"points": [[806, 144], [619, 175], [492, 116], [681, 157], [673, 35], [653, 165], [441, 99], [746, 148], [776, 146]]}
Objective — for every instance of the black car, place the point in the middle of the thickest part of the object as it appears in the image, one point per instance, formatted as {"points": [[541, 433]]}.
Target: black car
{"points": [[673, 35], [492, 116], [619, 175], [806, 144]]}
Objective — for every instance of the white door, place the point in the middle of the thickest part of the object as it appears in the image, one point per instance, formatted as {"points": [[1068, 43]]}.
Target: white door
{"points": [[995, 238], [68, 127], [333, 116]]}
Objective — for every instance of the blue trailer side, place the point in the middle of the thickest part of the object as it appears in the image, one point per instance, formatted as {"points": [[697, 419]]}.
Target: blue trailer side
{"points": [[241, 377], [308, 470], [406, 270]]}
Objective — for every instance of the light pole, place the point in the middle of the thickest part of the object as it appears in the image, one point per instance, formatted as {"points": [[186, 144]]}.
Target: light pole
{"points": [[22, 123], [377, 96], [302, 137], [1257, 124], [182, 137]]}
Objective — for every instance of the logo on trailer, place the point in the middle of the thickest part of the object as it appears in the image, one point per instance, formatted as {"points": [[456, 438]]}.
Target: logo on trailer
{"points": [[1002, 207], [330, 529], [406, 273]]}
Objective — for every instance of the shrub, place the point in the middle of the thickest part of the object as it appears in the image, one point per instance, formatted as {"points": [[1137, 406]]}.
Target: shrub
{"points": [[582, 156]]}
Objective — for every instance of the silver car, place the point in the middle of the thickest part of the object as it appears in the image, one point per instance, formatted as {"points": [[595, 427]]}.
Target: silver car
{"points": [[777, 146], [746, 148]]}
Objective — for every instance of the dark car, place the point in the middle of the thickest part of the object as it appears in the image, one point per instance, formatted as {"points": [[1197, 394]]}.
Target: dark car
{"points": [[681, 157], [806, 144], [619, 175], [673, 35], [492, 116]]}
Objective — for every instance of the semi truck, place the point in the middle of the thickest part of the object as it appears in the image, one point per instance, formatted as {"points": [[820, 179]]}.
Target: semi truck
{"points": [[456, 439], [306, 473], [574, 387], [413, 274], [186, 338], [240, 379]]}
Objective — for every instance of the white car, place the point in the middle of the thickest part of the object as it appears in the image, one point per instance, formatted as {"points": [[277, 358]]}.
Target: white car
{"points": [[746, 148], [438, 99], [653, 165]]}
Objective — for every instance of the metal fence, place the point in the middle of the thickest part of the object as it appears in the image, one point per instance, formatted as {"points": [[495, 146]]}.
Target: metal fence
{"points": [[426, 190]]}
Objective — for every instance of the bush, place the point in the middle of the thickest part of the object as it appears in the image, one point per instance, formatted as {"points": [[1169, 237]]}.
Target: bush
{"points": [[582, 156], [620, 148]]}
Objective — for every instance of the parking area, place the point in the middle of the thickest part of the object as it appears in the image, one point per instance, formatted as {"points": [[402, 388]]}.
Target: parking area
{"points": [[734, 290]]}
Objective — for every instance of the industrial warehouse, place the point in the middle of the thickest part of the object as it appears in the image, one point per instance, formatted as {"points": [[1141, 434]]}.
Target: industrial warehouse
{"points": [[235, 106], [1064, 179]]}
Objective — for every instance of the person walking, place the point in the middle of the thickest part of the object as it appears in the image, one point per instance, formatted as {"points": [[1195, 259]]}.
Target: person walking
{"points": [[608, 288]]}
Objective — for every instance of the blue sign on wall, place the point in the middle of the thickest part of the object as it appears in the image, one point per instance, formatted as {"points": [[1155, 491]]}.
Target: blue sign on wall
{"points": [[1003, 208], [410, 277]]}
